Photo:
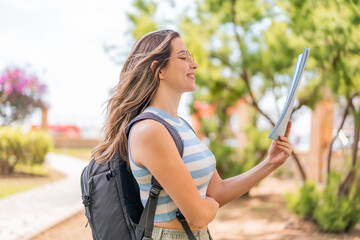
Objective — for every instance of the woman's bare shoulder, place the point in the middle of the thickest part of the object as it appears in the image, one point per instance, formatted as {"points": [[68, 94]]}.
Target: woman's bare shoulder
{"points": [[148, 130]]}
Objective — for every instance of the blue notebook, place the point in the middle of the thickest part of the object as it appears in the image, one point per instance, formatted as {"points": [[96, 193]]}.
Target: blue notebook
{"points": [[280, 127]]}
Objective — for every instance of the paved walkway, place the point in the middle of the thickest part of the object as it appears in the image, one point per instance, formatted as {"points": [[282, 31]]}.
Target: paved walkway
{"points": [[25, 214]]}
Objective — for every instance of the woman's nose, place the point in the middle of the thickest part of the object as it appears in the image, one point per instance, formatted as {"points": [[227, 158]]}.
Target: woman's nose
{"points": [[193, 64]]}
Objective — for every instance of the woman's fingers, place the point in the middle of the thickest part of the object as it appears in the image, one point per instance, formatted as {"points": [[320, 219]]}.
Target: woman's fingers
{"points": [[285, 149], [283, 140], [284, 145], [288, 128]]}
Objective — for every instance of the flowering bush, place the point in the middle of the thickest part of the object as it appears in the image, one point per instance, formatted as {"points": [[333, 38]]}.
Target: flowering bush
{"points": [[20, 95]]}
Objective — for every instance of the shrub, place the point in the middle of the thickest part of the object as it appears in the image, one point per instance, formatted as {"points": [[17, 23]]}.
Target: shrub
{"points": [[332, 213], [11, 149], [26, 148], [38, 144], [304, 202], [338, 213]]}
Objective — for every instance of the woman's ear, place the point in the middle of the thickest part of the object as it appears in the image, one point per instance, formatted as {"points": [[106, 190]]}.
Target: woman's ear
{"points": [[153, 65], [161, 76]]}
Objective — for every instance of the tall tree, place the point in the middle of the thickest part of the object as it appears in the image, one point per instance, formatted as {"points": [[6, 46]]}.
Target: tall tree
{"points": [[243, 50], [332, 29], [247, 50]]}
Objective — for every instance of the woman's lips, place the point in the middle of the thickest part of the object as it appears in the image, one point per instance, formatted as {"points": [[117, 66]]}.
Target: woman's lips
{"points": [[191, 75]]}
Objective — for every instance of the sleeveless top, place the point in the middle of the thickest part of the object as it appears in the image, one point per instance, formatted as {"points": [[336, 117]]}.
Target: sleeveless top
{"points": [[197, 157]]}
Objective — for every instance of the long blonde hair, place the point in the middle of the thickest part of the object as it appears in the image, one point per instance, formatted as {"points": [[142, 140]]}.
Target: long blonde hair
{"points": [[137, 86]]}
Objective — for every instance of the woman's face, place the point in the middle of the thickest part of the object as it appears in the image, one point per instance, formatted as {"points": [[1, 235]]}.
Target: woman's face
{"points": [[178, 75]]}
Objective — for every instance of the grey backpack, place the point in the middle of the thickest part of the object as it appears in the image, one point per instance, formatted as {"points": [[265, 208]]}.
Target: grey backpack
{"points": [[111, 196]]}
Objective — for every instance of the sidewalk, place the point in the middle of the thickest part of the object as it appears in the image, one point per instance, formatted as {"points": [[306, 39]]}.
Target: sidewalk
{"points": [[25, 214]]}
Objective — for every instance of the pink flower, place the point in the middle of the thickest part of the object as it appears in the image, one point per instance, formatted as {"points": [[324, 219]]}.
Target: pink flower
{"points": [[8, 89], [14, 74], [43, 88], [16, 81], [2, 79]]}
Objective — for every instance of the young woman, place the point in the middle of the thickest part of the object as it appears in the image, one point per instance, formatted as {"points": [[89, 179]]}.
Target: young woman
{"points": [[158, 71]]}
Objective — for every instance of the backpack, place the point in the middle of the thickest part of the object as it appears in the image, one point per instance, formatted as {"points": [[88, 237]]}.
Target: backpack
{"points": [[111, 196]]}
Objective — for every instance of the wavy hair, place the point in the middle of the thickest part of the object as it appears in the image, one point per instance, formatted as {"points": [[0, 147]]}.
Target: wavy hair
{"points": [[137, 86]]}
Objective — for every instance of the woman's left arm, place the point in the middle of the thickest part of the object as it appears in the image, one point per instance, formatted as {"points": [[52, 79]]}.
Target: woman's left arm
{"points": [[224, 191]]}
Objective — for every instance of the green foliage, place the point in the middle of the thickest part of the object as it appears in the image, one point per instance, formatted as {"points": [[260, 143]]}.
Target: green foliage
{"points": [[11, 148], [332, 30], [26, 148], [256, 148], [357, 119], [37, 144], [231, 161], [143, 19], [247, 49], [338, 213], [221, 58], [304, 202], [331, 212], [227, 162]]}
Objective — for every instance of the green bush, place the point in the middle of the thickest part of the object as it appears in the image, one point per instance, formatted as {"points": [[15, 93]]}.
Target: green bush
{"points": [[230, 160], [332, 213], [338, 213], [38, 144], [304, 202], [26, 148], [11, 149]]}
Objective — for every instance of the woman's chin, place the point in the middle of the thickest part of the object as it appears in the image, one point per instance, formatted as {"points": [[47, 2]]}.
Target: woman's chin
{"points": [[193, 88]]}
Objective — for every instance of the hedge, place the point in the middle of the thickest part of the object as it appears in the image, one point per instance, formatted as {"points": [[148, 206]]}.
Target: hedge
{"points": [[27, 148]]}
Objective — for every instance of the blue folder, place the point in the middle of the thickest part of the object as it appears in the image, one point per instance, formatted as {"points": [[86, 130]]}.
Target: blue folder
{"points": [[280, 127]]}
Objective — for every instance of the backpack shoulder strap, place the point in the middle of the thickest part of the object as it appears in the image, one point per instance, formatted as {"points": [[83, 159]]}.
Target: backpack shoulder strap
{"points": [[188, 124], [146, 223], [174, 134]]}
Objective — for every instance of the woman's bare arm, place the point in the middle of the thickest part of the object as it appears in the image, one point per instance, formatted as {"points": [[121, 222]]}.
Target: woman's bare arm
{"points": [[224, 191], [152, 146]]}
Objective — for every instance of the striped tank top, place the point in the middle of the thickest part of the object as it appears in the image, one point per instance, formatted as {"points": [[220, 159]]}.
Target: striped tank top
{"points": [[197, 157]]}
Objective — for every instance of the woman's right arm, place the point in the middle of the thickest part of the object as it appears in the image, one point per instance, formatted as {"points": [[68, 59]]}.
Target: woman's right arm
{"points": [[153, 147]]}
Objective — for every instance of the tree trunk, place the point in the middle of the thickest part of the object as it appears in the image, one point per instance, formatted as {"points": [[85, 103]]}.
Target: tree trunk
{"points": [[345, 185], [298, 164], [5, 167], [346, 112]]}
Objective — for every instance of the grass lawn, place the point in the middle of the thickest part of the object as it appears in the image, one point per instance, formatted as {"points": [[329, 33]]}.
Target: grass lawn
{"points": [[26, 177], [83, 153]]}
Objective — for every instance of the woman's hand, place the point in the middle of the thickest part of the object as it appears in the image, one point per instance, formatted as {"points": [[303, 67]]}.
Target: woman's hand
{"points": [[280, 149]]}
